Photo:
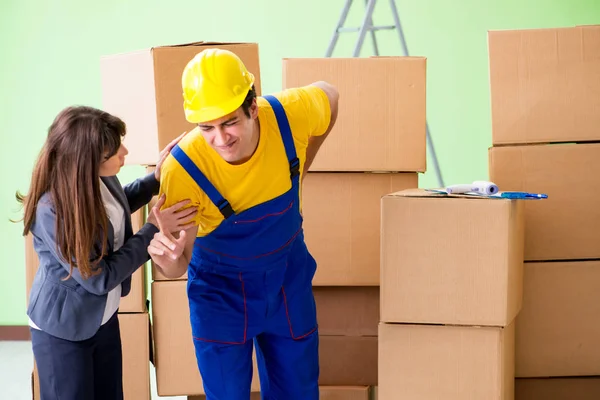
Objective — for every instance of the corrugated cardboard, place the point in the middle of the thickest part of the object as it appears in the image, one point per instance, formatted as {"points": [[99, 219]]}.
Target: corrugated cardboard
{"points": [[344, 392], [135, 341], [342, 224], [545, 84], [381, 119], [445, 362], [347, 310], [144, 89], [558, 327], [558, 389], [565, 225], [325, 393], [348, 360], [135, 344], [175, 358], [451, 260]]}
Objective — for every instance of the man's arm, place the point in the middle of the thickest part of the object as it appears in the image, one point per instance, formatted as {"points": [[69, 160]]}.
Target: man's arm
{"points": [[315, 142]]}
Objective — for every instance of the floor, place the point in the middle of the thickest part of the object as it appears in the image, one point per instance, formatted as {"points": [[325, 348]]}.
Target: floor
{"points": [[16, 364]]}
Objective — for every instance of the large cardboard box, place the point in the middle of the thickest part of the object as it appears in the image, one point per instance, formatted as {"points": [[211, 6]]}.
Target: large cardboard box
{"points": [[175, 357], [347, 310], [565, 225], [558, 327], [348, 360], [545, 84], [135, 344], [451, 259], [587, 388], [144, 89], [381, 123], [342, 223], [445, 362]]}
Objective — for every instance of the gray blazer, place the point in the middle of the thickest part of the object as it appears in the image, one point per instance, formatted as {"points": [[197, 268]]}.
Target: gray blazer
{"points": [[73, 309]]}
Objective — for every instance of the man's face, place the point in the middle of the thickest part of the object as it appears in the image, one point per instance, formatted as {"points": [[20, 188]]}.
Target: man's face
{"points": [[233, 136]]}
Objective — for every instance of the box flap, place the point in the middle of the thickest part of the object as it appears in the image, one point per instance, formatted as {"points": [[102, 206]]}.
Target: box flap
{"points": [[203, 43]]}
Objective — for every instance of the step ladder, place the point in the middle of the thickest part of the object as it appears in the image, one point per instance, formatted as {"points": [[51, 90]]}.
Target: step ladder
{"points": [[367, 26]]}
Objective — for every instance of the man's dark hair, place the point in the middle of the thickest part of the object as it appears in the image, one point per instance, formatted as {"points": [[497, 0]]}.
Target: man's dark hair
{"points": [[248, 101]]}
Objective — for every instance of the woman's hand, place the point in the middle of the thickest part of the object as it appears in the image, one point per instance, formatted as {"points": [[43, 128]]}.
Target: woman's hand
{"points": [[174, 218], [164, 154]]}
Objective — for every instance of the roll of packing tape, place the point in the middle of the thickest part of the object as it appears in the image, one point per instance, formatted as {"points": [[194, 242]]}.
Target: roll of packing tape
{"points": [[484, 187]]}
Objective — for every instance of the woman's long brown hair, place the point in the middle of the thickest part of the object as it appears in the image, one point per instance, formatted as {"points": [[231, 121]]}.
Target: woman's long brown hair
{"points": [[79, 140]]}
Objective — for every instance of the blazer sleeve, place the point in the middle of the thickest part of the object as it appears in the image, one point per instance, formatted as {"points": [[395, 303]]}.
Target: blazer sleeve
{"points": [[116, 267], [141, 191]]}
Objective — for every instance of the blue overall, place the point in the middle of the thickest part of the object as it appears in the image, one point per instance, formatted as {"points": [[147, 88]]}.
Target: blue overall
{"points": [[250, 282]]}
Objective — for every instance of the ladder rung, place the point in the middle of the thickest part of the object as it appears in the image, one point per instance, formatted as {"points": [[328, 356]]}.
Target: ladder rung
{"points": [[368, 28]]}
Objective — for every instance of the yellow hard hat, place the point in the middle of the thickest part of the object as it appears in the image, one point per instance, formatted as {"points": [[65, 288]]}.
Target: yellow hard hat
{"points": [[215, 83]]}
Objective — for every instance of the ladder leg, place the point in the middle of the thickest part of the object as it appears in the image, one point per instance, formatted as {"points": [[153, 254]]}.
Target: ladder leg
{"points": [[398, 26], [430, 146], [363, 28], [336, 33], [373, 37]]}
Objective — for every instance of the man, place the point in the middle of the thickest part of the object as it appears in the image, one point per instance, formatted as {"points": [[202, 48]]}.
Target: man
{"points": [[250, 273]]}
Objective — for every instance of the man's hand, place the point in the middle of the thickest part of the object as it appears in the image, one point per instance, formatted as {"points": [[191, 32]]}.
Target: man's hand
{"points": [[165, 153], [166, 250]]}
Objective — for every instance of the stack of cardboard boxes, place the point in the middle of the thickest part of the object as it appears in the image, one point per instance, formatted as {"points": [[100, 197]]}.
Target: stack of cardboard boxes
{"points": [[376, 147], [133, 320], [451, 287], [545, 114]]}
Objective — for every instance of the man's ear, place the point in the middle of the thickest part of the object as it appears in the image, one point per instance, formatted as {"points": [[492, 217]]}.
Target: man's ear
{"points": [[254, 109]]}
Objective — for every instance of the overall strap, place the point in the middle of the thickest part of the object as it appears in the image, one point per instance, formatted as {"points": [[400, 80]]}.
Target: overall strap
{"points": [[286, 136], [201, 180]]}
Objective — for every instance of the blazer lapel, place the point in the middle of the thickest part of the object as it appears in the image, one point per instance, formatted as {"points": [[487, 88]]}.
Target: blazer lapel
{"points": [[115, 188]]}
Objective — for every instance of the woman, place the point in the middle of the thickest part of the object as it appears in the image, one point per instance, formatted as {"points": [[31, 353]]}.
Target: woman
{"points": [[80, 219]]}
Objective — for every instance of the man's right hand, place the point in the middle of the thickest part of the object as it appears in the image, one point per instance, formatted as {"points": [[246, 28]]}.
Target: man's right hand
{"points": [[165, 249]]}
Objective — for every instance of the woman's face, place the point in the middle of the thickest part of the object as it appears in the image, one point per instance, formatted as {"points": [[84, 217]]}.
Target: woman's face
{"points": [[112, 165]]}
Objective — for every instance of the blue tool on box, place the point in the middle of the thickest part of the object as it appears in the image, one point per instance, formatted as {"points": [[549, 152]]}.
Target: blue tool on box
{"points": [[521, 195]]}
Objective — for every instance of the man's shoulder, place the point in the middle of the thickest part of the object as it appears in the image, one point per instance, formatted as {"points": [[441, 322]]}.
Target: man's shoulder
{"points": [[294, 97]]}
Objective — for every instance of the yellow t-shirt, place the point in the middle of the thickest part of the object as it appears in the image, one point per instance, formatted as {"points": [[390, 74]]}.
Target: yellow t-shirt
{"points": [[265, 176]]}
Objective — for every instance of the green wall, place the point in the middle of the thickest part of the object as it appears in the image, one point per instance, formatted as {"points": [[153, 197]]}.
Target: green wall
{"points": [[51, 49]]}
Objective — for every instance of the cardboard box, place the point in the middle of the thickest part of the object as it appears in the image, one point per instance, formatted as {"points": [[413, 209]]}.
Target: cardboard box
{"points": [[342, 224], [325, 393], [565, 225], [347, 310], [348, 360], [144, 89], [135, 301], [558, 327], [135, 344], [175, 357], [544, 85], [445, 362], [381, 123], [558, 389], [135, 341], [451, 259]]}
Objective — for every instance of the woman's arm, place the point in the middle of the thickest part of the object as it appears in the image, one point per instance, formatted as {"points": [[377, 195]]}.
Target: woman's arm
{"points": [[116, 267]]}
